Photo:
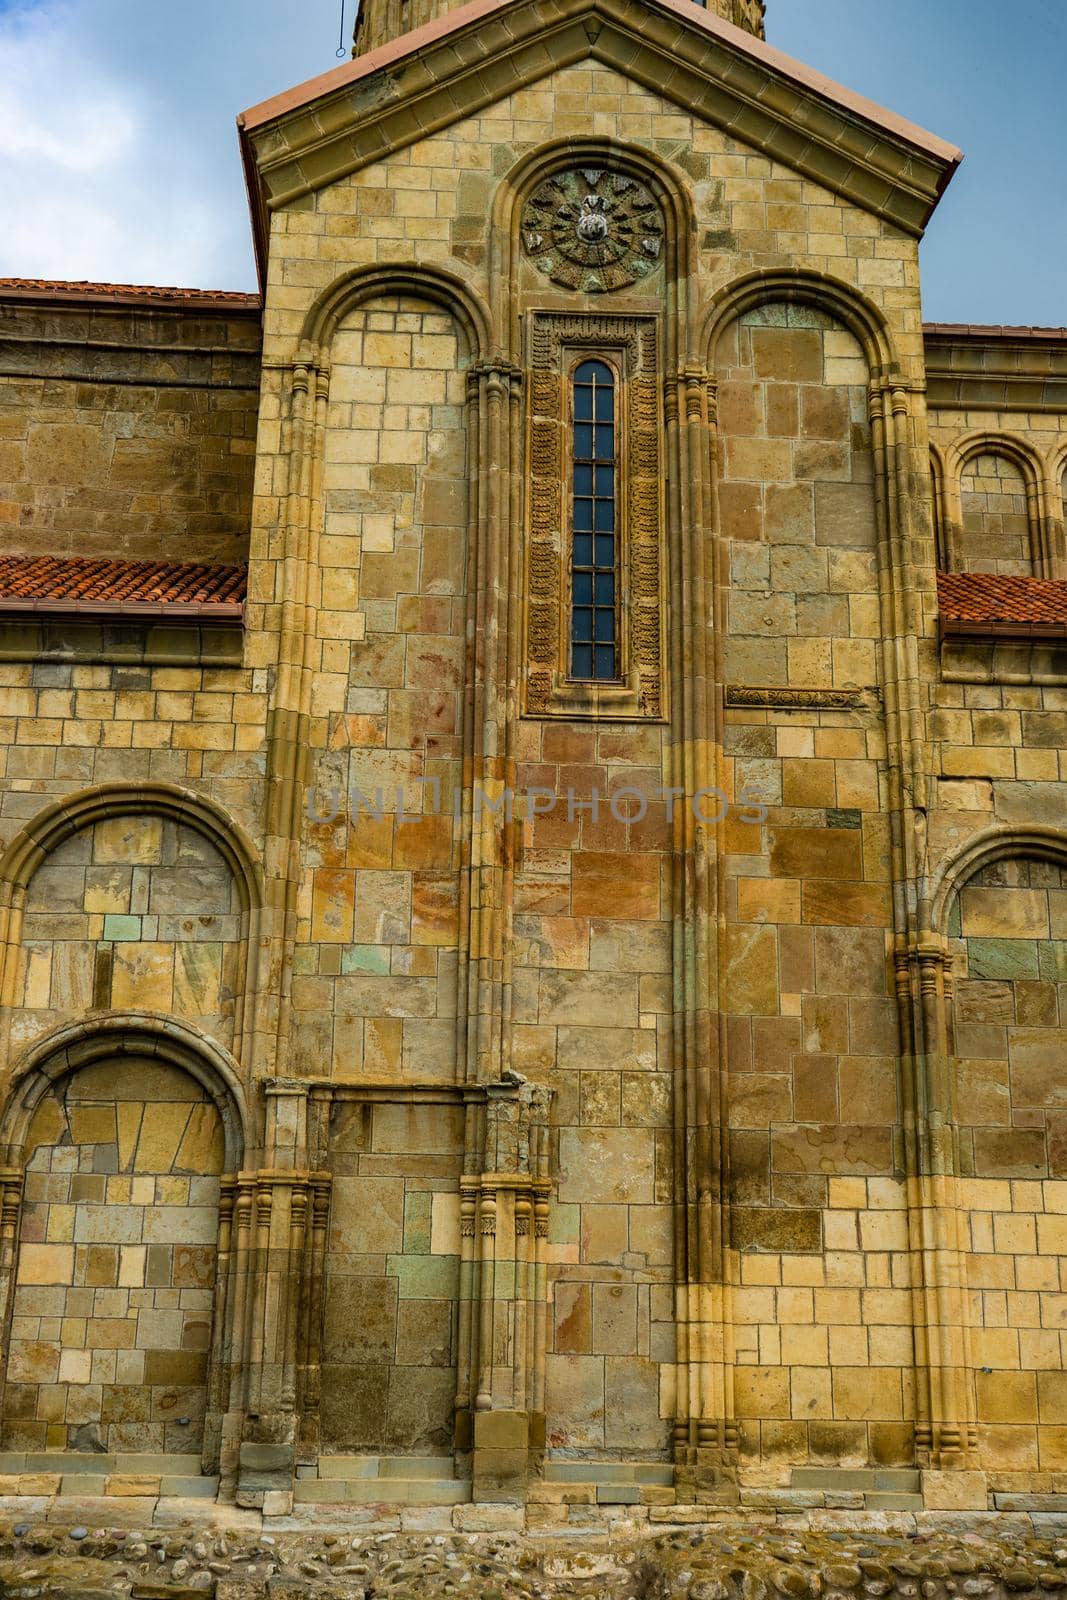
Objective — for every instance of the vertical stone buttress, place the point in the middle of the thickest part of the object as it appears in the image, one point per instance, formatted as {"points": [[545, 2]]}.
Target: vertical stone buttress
{"points": [[275, 1214]]}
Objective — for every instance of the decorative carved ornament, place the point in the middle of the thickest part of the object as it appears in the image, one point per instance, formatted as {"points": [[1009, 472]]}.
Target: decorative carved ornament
{"points": [[781, 699], [556, 342], [593, 230]]}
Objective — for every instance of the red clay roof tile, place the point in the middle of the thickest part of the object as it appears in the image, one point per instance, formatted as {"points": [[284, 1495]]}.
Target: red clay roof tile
{"points": [[125, 293], [53, 582], [986, 598]]}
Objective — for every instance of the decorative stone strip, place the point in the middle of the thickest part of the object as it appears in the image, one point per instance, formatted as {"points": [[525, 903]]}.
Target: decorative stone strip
{"points": [[155, 640], [779, 699]]}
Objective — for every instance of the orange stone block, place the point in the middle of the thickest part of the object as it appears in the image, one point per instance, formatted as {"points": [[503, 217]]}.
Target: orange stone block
{"points": [[808, 783], [816, 852], [370, 841], [610, 884], [352, 730], [383, 1040], [426, 843], [858, 905], [768, 900], [434, 908]]}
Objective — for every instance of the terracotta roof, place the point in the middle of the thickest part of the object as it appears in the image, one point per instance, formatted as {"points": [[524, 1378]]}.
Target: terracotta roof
{"points": [[77, 583], [81, 290], [985, 602]]}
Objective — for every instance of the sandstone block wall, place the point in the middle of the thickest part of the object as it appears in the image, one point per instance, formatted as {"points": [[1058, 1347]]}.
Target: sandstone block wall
{"points": [[114, 1283], [997, 744], [799, 1200], [806, 983], [127, 432]]}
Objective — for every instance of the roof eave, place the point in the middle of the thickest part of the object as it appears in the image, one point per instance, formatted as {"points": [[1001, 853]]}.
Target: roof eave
{"points": [[963, 628], [205, 611], [257, 210]]}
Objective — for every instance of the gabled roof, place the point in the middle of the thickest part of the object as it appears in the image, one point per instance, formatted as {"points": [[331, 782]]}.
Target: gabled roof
{"points": [[357, 113], [70, 584]]}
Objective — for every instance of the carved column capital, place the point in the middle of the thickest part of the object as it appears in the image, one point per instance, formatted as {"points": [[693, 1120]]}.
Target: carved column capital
{"points": [[691, 395], [501, 375]]}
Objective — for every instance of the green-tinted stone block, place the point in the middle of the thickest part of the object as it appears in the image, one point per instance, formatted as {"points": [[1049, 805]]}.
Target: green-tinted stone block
{"points": [[843, 817], [1052, 959], [425, 1277], [417, 1222], [565, 1224], [954, 926], [306, 960], [504, 1280], [119, 927], [366, 958], [1002, 958]]}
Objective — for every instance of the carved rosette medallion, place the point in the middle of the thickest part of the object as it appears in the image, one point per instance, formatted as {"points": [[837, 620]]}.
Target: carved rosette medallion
{"points": [[593, 230]]}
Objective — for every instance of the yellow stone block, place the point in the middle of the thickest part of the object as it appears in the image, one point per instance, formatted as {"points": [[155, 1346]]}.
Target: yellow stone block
{"points": [[46, 1263], [768, 900]]}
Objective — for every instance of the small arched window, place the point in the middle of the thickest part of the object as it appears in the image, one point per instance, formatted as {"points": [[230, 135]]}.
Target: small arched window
{"points": [[594, 525], [596, 569]]}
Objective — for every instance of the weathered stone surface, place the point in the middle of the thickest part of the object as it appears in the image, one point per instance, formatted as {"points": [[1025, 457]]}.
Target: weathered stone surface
{"points": [[799, 1195]]}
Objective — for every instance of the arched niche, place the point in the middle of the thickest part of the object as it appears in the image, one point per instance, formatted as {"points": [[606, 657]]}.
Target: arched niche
{"points": [[521, 284], [117, 1135], [1002, 908], [797, 501], [994, 511], [121, 897], [399, 497], [937, 495]]}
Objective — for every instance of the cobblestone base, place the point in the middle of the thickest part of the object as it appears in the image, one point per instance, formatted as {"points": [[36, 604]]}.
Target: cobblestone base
{"points": [[232, 1556]]}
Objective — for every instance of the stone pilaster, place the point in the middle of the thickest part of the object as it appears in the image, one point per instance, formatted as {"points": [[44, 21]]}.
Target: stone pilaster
{"points": [[271, 1262], [504, 1226]]}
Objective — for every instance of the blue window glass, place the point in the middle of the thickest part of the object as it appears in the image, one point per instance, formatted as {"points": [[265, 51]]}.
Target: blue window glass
{"points": [[594, 547]]}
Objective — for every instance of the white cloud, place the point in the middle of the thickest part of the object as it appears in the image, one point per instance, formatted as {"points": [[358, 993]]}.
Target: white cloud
{"points": [[120, 157]]}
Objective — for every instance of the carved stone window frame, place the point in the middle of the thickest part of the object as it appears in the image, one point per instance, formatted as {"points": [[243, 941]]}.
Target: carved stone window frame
{"points": [[555, 341]]}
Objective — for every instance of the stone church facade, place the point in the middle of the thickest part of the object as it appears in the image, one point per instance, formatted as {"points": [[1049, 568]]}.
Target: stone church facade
{"points": [[534, 851]]}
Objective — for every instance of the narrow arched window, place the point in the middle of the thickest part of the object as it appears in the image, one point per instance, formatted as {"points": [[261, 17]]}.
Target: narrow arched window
{"points": [[595, 620], [594, 525]]}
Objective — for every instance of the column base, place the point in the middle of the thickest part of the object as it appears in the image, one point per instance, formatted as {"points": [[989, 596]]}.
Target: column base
{"points": [[508, 1447], [706, 1475], [264, 1469], [954, 1491]]}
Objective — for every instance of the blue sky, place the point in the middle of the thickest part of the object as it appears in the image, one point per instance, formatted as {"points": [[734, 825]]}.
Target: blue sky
{"points": [[120, 158]]}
